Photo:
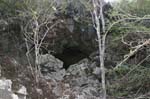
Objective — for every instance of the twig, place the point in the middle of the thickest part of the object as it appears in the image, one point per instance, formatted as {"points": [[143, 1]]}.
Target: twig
{"points": [[28, 57], [136, 66]]}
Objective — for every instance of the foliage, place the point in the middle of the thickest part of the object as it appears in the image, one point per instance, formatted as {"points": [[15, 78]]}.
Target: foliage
{"points": [[129, 81], [134, 15]]}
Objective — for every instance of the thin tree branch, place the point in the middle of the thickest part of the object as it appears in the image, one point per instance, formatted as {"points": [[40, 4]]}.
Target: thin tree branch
{"points": [[133, 52]]}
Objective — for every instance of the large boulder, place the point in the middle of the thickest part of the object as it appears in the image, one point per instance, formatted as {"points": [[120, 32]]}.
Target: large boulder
{"points": [[51, 67], [80, 82]]}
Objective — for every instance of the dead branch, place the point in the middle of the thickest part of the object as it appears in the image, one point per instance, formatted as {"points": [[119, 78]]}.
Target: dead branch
{"points": [[137, 48]]}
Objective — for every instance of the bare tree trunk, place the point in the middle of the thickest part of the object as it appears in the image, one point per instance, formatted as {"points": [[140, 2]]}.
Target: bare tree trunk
{"points": [[36, 46], [98, 17], [102, 53]]}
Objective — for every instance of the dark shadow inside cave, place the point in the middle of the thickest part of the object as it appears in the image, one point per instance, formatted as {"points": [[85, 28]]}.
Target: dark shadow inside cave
{"points": [[71, 56]]}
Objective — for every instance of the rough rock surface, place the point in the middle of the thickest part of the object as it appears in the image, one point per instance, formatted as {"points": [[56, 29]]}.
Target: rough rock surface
{"points": [[77, 82], [51, 67], [7, 93]]}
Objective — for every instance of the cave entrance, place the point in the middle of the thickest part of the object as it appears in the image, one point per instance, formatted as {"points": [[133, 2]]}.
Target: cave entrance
{"points": [[71, 55]]}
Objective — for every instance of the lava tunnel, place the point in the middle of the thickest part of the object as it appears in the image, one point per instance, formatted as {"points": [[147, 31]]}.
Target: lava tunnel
{"points": [[71, 56]]}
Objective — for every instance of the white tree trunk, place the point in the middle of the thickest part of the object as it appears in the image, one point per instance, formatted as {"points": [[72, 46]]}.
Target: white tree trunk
{"points": [[36, 46], [98, 17]]}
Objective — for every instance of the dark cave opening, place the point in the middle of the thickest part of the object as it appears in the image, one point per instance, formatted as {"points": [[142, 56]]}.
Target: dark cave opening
{"points": [[71, 55]]}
